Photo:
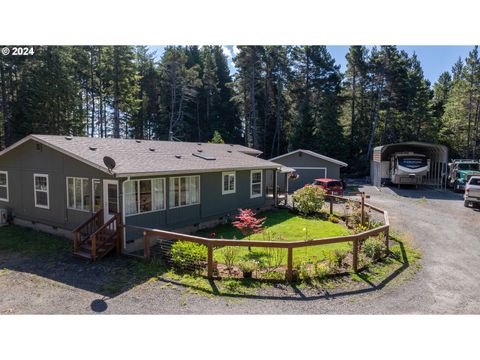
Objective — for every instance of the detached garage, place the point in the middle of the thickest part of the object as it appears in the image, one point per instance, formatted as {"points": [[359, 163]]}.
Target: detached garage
{"points": [[309, 166]]}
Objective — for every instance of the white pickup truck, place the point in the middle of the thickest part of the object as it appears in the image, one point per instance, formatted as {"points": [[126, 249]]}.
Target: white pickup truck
{"points": [[472, 192]]}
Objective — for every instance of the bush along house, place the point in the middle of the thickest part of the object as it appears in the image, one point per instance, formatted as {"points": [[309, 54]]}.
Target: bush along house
{"points": [[88, 187]]}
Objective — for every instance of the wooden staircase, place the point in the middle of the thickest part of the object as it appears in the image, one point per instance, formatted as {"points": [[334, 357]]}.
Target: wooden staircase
{"points": [[93, 240]]}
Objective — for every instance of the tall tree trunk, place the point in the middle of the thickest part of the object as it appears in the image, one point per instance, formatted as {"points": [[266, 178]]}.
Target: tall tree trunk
{"points": [[92, 89], [253, 112], [116, 95], [352, 122], [5, 140]]}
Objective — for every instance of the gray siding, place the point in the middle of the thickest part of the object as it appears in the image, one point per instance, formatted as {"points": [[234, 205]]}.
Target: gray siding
{"points": [[213, 205], [306, 176], [26, 160]]}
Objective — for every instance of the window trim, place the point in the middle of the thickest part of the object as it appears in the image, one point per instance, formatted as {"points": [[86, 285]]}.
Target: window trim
{"points": [[35, 191], [7, 199], [252, 196], [81, 194], [138, 194], [199, 191], [93, 193], [229, 173]]}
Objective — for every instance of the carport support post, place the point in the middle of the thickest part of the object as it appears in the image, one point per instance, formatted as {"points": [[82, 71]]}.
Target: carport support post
{"points": [[290, 264], [355, 256], [210, 261]]}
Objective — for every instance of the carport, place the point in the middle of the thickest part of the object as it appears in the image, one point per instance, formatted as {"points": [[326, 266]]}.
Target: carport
{"points": [[437, 154]]}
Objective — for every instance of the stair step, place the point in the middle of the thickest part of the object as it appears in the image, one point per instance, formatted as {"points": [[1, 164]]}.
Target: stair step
{"points": [[88, 247], [83, 254]]}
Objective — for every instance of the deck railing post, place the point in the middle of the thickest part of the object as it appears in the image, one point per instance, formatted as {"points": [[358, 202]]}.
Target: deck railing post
{"points": [[119, 236], [75, 241], [94, 247], [355, 256], [210, 261], [146, 245], [290, 264], [331, 205]]}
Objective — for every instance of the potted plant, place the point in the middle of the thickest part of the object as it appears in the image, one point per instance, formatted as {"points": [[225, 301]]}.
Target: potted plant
{"points": [[247, 268]]}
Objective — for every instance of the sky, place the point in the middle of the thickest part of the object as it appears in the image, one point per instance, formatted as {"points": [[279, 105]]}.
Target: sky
{"points": [[434, 59]]}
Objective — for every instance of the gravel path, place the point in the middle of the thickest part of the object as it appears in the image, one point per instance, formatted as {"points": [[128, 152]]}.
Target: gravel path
{"points": [[449, 281]]}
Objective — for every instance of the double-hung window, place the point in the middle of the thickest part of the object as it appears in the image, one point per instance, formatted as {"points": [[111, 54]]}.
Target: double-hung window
{"points": [[3, 186], [143, 196], [78, 194], [228, 183], [255, 183], [40, 188], [184, 191]]}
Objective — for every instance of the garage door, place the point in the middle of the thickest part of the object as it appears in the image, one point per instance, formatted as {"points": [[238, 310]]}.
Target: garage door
{"points": [[306, 176]]}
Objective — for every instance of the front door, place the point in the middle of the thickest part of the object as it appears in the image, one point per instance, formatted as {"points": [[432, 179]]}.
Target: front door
{"points": [[110, 199]]}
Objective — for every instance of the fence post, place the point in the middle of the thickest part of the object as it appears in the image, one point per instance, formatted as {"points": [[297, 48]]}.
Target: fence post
{"points": [[387, 244], [355, 255], [290, 264], [210, 261], [146, 245], [331, 205]]}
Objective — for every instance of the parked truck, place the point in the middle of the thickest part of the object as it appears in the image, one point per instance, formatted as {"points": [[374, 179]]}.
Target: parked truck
{"points": [[460, 172], [472, 192]]}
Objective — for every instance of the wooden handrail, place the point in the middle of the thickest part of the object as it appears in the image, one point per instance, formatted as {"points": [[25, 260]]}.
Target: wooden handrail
{"points": [[98, 240], [87, 222]]}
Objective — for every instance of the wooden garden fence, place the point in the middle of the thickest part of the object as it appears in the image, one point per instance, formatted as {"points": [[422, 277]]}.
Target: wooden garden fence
{"points": [[211, 244]]}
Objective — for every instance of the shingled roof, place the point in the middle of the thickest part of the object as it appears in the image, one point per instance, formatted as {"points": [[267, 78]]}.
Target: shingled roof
{"points": [[142, 157]]}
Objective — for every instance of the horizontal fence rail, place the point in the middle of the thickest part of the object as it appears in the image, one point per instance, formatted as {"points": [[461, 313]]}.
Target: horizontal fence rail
{"points": [[211, 244]]}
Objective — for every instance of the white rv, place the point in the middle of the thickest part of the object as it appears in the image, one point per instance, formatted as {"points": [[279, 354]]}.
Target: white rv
{"points": [[408, 168]]}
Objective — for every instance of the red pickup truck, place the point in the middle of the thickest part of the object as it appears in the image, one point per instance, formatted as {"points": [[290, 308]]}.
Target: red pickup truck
{"points": [[331, 186]]}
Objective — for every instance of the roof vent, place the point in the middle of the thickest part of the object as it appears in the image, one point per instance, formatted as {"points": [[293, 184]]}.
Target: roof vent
{"points": [[204, 156], [138, 141], [229, 151], [199, 144], [68, 137], [199, 150], [178, 156], [152, 149], [93, 148]]}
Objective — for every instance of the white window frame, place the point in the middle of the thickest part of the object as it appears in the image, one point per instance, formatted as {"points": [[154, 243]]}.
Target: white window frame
{"points": [[164, 204], [47, 191], [5, 186], [252, 196], [229, 174], [93, 193], [81, 194], [172, 179]]}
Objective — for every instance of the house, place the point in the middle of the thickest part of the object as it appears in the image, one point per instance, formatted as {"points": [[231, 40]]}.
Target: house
{"points": [[56, 183], [308, 165]]}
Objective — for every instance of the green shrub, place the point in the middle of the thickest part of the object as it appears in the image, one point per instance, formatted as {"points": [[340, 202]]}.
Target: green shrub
{"points": [[333, 219], [309, 199], [188, 256], [274, 258], [321, 270], [374, 248], [304, 272], [230, 254], [336, 258], [248, 266]]}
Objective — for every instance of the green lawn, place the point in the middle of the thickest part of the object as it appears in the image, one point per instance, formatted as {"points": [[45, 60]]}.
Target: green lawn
{"points": [[291, 228]]}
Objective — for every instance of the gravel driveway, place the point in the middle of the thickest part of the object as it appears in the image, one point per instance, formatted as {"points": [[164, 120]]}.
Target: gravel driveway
{"points": [[447, 233]]}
